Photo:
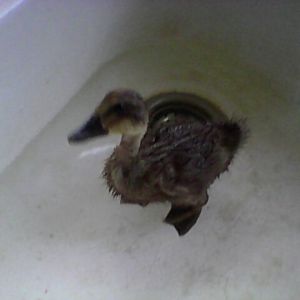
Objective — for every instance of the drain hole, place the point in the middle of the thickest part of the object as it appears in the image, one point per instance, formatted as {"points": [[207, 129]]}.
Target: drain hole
{"points": [[182, 107]]}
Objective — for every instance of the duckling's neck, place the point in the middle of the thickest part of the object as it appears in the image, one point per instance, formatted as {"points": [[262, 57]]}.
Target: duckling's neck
{"points": [[127, 150], [130, 144], [124, 163]]}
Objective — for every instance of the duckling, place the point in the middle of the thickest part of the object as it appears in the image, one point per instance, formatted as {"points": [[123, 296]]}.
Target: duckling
{"points": [[175, 162]]}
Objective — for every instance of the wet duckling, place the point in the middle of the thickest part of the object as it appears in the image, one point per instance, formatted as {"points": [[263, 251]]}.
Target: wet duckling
{"points": [[175, 162]]}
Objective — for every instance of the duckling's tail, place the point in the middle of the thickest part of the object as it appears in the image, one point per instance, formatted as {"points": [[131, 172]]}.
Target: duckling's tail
{"points": [[235, 134]]}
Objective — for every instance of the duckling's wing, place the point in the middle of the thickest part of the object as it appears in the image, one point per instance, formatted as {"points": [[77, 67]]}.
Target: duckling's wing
{"points": [[183, 159]]}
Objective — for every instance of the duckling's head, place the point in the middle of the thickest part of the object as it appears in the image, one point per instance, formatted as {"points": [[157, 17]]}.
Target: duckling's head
{"points": [[121, 111]]}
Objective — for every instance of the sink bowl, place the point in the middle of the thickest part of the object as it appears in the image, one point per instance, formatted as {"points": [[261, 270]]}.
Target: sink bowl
{"points": [[62, 235]]}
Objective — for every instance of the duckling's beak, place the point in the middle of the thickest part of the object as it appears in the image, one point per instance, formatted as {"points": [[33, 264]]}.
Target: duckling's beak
{"points": [[91, 129]]}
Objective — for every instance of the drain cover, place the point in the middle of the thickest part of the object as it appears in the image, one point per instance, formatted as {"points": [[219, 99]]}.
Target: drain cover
{"points": [[182, 106]]}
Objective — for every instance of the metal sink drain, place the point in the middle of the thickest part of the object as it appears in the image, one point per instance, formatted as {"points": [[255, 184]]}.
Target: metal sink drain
{"points": [[182, 106]]}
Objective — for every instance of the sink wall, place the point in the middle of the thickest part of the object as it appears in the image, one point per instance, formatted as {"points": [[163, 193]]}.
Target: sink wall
{"points": [[50, 48]]}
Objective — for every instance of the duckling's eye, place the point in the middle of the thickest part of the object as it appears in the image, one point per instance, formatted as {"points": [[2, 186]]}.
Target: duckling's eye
{"points": [[118, 108]]}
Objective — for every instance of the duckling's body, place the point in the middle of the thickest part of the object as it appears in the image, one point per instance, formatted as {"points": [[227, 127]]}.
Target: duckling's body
{"points": [[176, 162]]}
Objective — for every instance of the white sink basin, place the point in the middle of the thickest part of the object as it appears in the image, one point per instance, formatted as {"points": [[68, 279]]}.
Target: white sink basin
{"points": [[62, 236]]}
